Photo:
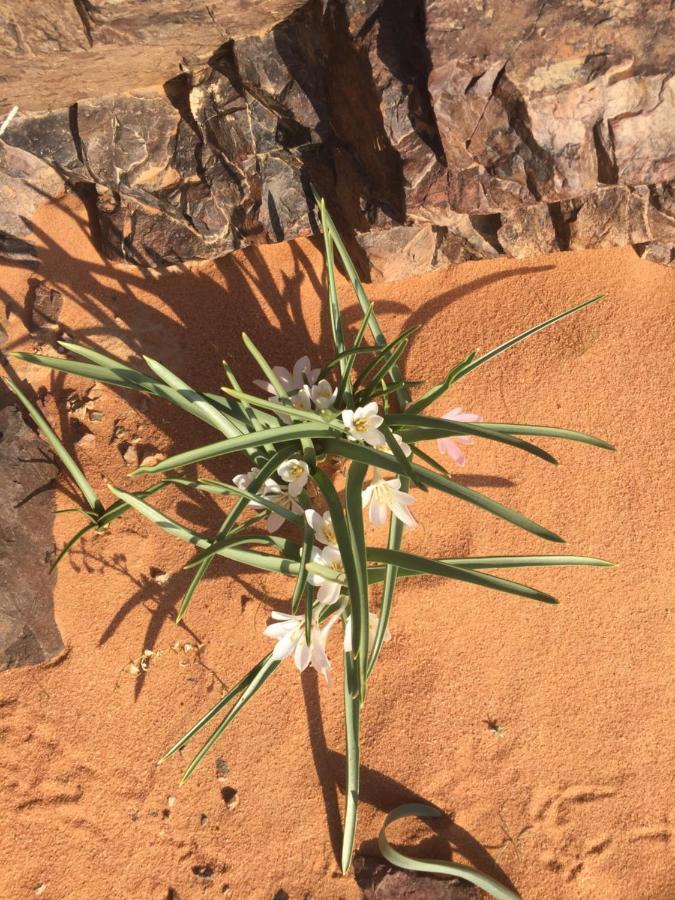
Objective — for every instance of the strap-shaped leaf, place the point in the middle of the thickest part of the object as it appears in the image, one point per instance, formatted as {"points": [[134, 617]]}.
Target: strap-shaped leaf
{"points": [[72, 467], [196, 402], [274, 436], [441, 482], [241, 685], [304, 415], [429, 428], [352, 704], [377, 573], [217, 487], [438, 390], [423, 566], [329, 225], [389, 575], [228, 524], [263, 561], [548, 431], [359, 600], [488, 884], [268, 668]]}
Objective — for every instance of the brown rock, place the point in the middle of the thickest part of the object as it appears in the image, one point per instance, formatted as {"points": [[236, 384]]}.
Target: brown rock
{"points": [[380, 881], [46, 45], [25, 182], [548, 124], [527, 231], [46, 304], [28, 632]]}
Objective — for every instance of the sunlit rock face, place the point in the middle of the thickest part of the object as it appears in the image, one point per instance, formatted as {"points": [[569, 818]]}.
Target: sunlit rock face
{"points": [[439, 131]]}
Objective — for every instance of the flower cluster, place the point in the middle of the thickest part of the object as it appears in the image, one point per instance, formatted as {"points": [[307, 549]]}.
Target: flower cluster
{"points": [[287, 489]]}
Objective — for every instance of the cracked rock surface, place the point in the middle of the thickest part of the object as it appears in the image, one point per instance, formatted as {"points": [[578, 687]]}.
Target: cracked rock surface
{"points": [[438, 131], [28, 632]]}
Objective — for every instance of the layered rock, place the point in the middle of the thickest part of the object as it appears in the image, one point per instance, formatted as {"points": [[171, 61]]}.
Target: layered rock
{"points": [[28, 632], [437, 131]]}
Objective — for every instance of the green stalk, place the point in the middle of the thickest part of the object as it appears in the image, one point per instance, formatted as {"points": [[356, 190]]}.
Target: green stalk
{"points": [[353, 762]]}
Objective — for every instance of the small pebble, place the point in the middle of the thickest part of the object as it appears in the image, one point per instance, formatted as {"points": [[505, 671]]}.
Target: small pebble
{"points": [[87, 440], [171, 801], [40, 889]]}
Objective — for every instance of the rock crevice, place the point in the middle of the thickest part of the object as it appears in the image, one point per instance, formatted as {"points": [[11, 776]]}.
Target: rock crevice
{"points": [[436, 130]]}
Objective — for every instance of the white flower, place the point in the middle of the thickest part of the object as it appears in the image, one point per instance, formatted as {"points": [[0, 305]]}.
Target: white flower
{"points": [[373, 621], [323, 394], [451, 445], [291, 639], [402, 444], [386, 494], [363, 424], [301, 399], [302, 374], [282, 497], [295, 473], [329, 591], [322, 526], [244, 480]]}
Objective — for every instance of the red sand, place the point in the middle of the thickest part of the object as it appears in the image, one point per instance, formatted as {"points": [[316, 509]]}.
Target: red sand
{"points": [[571, 801]]}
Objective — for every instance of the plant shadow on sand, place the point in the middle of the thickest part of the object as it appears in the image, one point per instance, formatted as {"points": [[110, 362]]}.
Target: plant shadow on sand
{"points": [[191, 328], [385, 794]]}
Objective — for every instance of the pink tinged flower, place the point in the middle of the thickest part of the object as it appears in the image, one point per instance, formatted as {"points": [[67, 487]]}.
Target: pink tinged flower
{"points": [[383, 495], [302, 374], [373, 622], [322, 526], [329, 591], [363, 424], [295, 472], [291, 640], [280, 495], [323, 394], [452, 446]]}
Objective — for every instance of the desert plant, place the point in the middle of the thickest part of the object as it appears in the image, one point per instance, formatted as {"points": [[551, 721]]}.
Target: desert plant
{"points": [[357, 409]]}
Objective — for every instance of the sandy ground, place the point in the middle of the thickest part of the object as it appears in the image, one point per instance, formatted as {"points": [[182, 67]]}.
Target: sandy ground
{"points": [[543, 731]]}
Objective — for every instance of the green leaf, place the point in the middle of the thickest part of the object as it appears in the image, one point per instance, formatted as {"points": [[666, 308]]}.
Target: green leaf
{"points": [[159, 518], [389, 574], [232, 445], [433, 479], [333, 304], [359, 599], [241, 685], [270, 374], [227, 526], [438, 390], [423, 566], [217, 487], [301, 583], [72, 467], [502, 348], [548, 431], [329, 226], [395, 857], [352, 759], [305, 415], [378, 369], [195, 402], [377, 573], [268, 668], [348, 547], [428, 428], [344, 387]]}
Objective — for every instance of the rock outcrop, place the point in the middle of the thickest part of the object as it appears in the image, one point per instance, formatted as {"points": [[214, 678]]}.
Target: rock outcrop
{"points": [[28, 632], [438, 131]]}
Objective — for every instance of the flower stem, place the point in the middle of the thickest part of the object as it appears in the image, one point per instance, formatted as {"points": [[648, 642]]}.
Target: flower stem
{"points": [[352, 722]]}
